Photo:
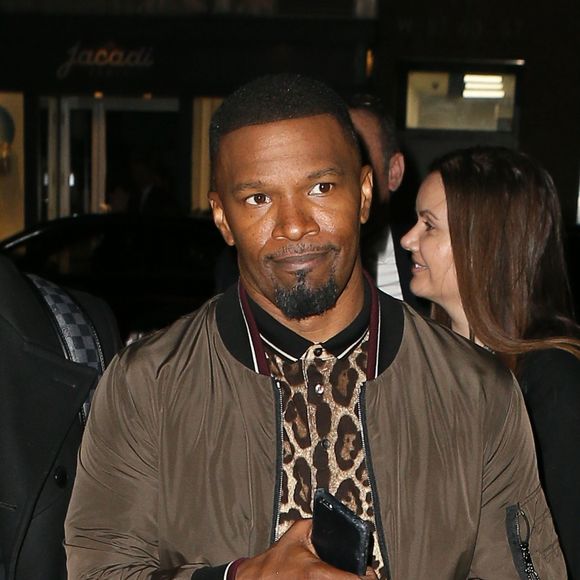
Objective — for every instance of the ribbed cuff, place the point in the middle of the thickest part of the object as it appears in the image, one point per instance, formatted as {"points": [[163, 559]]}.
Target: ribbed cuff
{"points": [[210, 573], [233, 569]]}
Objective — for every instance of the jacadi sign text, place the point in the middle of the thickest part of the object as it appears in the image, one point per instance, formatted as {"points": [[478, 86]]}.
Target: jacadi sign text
{"points": [[105, 58]]}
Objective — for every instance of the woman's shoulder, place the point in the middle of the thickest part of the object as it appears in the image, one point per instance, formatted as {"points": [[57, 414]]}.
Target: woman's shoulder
{"points": [[550, 360], [551, 373]]}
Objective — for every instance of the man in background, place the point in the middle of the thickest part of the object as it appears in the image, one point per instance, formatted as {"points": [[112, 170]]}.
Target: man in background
{"points": [[55, 345], [391, 215]]}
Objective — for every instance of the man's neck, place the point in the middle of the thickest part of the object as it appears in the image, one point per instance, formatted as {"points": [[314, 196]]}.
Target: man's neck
{"points": [[292, 345]]}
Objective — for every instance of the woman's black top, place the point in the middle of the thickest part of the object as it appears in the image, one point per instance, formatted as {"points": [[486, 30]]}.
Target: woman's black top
{"points": [[550, 381]]}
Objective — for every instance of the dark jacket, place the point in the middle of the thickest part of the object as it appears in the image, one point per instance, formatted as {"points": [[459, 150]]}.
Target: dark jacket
{"points": [[41, 394], [180, 467]]}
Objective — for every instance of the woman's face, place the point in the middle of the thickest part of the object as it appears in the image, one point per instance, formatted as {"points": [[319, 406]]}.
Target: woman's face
{"points": [[428, 241]]}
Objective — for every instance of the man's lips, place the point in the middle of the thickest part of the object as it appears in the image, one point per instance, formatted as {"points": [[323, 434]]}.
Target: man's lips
{"points": [[299, 261], [300, 257]]}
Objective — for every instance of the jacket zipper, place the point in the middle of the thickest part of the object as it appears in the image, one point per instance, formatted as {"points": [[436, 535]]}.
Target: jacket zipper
{"points": [[519, 545], [374, 495], [83, 417], [529, 569], [279, 444]]}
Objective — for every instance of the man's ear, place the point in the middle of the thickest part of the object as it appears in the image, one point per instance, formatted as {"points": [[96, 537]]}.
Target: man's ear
{"points": [[219, 217], [366, 193], [396, 171]]}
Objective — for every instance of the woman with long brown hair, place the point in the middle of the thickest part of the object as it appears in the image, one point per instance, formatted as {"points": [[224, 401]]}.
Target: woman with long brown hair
{"points": [[487, 251]]}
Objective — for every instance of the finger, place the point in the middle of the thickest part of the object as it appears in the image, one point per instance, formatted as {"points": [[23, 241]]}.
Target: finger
{"points": [[298, 533], [370, 574], [300, 529]]}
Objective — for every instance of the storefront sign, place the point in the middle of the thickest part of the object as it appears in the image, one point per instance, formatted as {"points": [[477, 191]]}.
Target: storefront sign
{"points": [[105, 58]]}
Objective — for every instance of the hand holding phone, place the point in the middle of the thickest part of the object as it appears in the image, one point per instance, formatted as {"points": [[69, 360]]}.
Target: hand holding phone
{"points": [[340, 537]]}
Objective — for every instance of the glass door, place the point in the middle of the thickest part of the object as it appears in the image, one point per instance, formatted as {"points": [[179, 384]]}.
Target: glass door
{"points": [[91, 145]]}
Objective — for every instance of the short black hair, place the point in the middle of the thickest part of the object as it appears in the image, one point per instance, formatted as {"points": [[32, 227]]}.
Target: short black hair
{"points": [[388, 131], [277, 97]]}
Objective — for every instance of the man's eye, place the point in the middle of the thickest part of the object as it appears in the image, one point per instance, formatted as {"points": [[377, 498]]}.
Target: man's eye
{"points": [[258, 199], [321, 188]]}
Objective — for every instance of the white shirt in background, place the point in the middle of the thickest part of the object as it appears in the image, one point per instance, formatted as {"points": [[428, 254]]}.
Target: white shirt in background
{"points": [[387, 273]]}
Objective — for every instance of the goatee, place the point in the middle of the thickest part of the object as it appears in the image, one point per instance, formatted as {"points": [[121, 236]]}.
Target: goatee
{"points": [[303, 301]]}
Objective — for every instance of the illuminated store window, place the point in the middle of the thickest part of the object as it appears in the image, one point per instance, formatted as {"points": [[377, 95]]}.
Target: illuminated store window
{"points": [[203, 109], [465, 101], [11, 163], [578, 206]]}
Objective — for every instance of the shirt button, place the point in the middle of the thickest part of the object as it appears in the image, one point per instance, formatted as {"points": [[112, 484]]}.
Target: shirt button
{"points": [[325, 443], [60, 476], [318, 351], [319, 389]]}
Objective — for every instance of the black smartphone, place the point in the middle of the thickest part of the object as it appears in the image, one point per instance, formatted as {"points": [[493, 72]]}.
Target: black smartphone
{"points": [[340, 537]]}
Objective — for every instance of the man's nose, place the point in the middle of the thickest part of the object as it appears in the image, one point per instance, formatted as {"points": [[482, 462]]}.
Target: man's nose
{"points": [[294, 221]]}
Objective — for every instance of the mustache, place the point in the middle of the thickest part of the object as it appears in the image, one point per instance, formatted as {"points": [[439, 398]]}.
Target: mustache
{"points": [[301, 249]]}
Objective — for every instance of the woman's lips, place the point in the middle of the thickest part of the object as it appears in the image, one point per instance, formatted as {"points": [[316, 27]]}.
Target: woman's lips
{"points": [[417, 267]]}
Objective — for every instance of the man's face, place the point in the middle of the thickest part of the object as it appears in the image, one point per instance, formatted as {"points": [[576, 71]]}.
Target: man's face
{"points": [[291, 196]]}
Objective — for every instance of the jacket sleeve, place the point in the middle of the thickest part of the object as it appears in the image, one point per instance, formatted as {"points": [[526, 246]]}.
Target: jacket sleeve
{"points": [[516, 535], [111, 526]]}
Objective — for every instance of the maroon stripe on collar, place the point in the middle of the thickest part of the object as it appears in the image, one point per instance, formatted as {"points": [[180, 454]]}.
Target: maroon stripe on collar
{"points": [[373, 329], [257, 345]]}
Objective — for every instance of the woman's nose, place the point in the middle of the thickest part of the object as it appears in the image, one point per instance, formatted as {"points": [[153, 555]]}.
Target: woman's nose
{"points": [[409, 240]]}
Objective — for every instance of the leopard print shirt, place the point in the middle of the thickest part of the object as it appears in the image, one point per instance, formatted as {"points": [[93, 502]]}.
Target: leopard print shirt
{"points": [[323, 445]]}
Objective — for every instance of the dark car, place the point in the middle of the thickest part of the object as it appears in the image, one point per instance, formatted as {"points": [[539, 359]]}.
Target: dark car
{"points": [[150, 270]]}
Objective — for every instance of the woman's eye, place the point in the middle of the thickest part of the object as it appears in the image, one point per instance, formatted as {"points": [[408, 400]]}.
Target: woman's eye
{"points": [[429, 226], [321, 188], [258, 199]]}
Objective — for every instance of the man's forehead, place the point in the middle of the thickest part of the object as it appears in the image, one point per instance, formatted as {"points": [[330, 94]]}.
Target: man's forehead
{"points": [[286, 151], [361, 113], [364, 120], [318, 139], [320, 135]]}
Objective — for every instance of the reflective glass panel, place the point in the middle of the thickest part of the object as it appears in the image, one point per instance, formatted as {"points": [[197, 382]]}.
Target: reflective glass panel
{"points": [[460, 101]]}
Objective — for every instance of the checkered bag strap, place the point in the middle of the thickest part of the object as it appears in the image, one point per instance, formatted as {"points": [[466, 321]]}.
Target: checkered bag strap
{"points": [[76, 332]]}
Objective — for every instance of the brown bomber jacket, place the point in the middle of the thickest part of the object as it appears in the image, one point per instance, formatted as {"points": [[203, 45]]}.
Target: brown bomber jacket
{"points": [[179, 467]]}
